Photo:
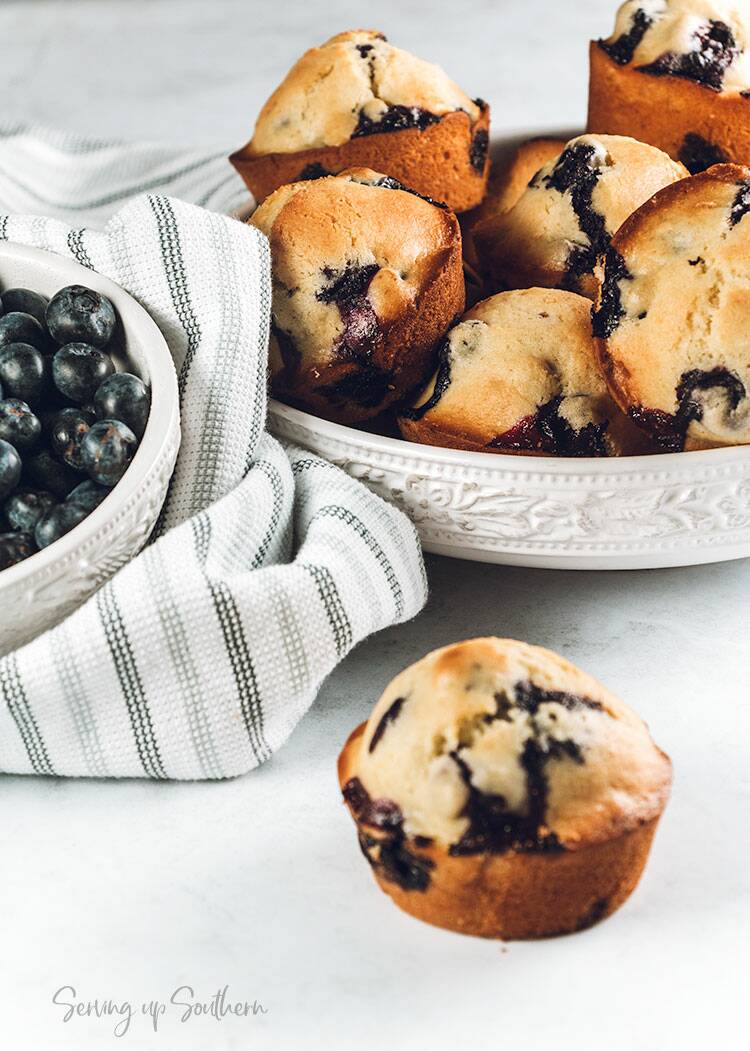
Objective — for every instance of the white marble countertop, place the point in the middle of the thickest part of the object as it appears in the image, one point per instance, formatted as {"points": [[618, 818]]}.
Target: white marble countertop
{"points": [[127, 891]]}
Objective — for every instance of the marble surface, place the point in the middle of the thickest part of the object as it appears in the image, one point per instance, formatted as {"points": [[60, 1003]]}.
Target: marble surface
{"points": [[127, 891]]}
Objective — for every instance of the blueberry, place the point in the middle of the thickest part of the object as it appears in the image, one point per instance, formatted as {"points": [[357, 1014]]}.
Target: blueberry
{"points": [[78, 369], [43, 471], [17, 327], [107, 451], [24, 508], [26, 302], [57, 522], [10, 468], [88, 495], [80, 315], [23, 373], [124, 397], [18, 424], [15, 547], [67, 430]]}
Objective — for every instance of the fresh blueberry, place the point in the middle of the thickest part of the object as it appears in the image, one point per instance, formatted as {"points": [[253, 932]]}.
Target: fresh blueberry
{"points": [[67, 430], [88, 495], [25, 301], [78, 369], [80, 315], [57, 522], [124, 397], [24, 508], [43, 471], [18, 327], [107, 451], [23, 373], [15, 547], [10, 468], [18, 424]]}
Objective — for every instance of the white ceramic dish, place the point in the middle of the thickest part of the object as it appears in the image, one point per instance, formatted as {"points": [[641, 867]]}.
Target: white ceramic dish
{"points": [[639, 512], [38, 593]]}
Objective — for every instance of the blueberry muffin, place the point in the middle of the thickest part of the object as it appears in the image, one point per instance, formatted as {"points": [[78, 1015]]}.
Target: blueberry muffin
{"points": [[673, 313], [367, 278], [565, 218], [519, 374], [676, 74], [500, 791], [506, 184], [359, 101]]}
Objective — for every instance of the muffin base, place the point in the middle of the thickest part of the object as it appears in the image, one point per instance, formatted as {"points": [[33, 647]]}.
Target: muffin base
{"points": [[690, 122], [435, 162], [514, 896]]}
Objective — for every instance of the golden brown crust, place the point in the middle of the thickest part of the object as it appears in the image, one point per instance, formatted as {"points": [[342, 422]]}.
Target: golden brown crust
{"points": [[665, 111], [326, 230], [682, 308], [517, 896], [435, 161]]}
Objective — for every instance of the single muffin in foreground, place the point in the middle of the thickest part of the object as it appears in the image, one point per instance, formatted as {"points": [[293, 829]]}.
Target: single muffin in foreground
{"points": [[673, 313], [519, 374], [357, 101], [564, 220], [500, 791], [676, 74], [367, 277]]}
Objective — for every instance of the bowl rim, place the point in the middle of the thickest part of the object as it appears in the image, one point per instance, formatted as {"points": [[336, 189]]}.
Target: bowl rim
{"points": [[490, 462], [159, 428]]}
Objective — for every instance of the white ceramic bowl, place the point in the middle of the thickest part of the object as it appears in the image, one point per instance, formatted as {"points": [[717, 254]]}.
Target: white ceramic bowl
{"points": [[638, 512], [38, 593]]}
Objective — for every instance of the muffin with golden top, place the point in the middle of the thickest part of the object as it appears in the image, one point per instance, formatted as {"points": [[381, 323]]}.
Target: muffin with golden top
{"points": [[359, 101], [673, 313], [676, 74], [500, 791], [519, 374], [564, 220], [367, 277]]}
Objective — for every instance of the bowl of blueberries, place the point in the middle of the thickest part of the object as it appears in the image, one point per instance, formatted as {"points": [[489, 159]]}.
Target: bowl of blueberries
{"points": [[89, 433]]}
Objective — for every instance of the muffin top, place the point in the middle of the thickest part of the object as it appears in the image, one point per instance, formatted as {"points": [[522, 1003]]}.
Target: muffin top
{"points": [[355, 84], [491, 745], [701, 40], [351, 253], [519, 373], [565, 218], [674, 312]]}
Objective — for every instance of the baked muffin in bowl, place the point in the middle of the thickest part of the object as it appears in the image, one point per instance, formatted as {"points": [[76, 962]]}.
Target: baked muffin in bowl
{"points": [[358, 101], [673, 313], [84, 536], [367, 277], [676, 74], [564, 220], [500, 791], [519, 374]]}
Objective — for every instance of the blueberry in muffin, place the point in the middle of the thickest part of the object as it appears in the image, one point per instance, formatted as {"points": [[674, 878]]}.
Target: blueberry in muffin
{"points": [[565, 218], [519, 374], [676, 74], [673, 312], [367, 277], [358, 101], [500, 791]]}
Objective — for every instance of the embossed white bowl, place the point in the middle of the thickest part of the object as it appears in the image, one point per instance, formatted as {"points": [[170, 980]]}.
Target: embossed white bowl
{"points": [[639, 512], [38, 593]]}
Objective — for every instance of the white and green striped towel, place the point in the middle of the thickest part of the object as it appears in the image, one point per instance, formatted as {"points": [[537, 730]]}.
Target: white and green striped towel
{"points": [[197, 659]]}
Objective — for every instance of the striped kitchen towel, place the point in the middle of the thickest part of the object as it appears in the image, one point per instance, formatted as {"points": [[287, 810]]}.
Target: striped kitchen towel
{"points": [[268, 564]]}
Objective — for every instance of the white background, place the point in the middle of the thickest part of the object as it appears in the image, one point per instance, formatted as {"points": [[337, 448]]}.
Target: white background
{"points": [[130, 890]]}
